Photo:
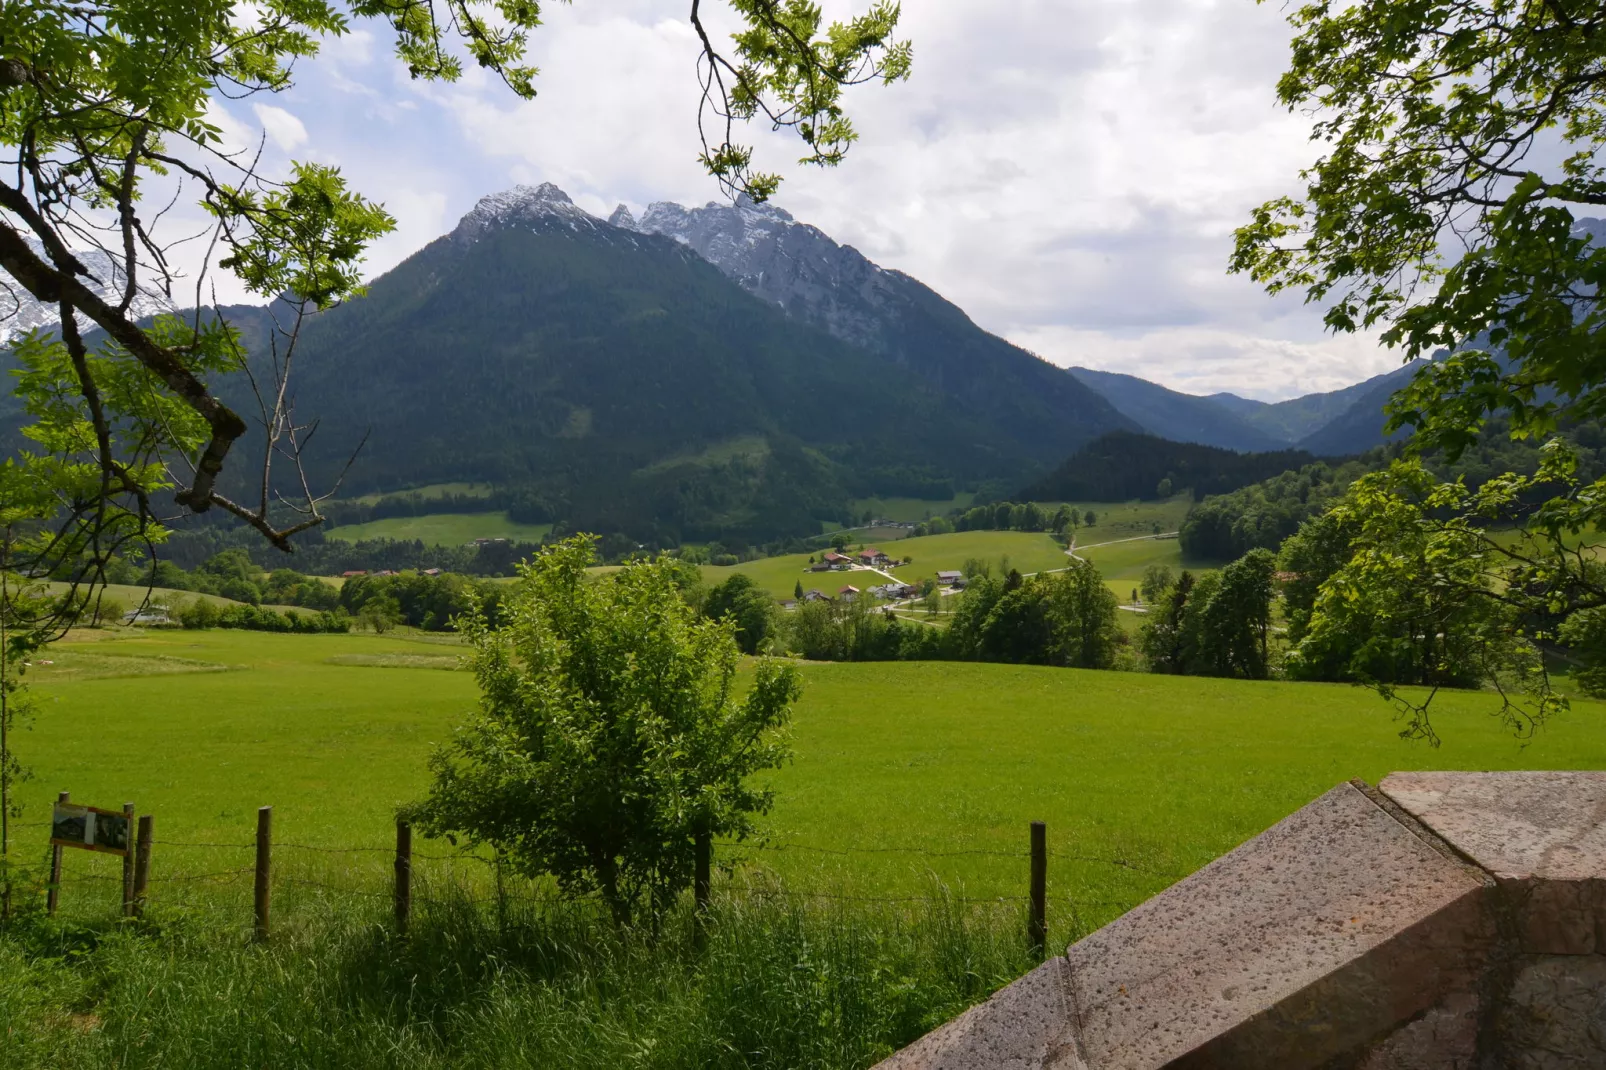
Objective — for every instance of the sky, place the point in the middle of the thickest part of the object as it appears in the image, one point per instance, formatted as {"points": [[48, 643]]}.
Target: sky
{"points": [[1069, 172]]}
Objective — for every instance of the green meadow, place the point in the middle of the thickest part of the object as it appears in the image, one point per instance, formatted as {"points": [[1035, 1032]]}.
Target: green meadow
{"points": [[900, 768], [1027, 551], [442, 529], [431, 490]]}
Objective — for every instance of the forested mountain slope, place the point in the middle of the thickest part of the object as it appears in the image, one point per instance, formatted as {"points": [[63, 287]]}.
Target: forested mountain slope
{"points": [[1177, 416], [929, 339], [1121, 466]]}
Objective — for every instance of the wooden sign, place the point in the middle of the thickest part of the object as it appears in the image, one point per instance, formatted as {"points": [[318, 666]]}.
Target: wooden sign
{"points": [[90, 828]]}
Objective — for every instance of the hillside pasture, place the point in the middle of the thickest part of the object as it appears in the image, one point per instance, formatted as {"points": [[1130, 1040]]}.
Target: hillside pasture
{"points": [[432, 490], [442, 529], [1123, 520], [1024, 550], [911, 510]]}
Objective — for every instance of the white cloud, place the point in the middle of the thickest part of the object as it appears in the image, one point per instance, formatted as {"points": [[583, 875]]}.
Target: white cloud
{"points": [[1069, 173], [284, 130]]}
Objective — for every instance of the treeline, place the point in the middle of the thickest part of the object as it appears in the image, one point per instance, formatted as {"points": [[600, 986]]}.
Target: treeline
{"points": [[1063, 618], [1123, 465], [431, 603], [1261, 516], [1008, 516], [1265, 514], [203, 614], [522, 504]]}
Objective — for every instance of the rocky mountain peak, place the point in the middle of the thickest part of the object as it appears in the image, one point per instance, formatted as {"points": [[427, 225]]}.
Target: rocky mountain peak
{"points": [[621, 217], [541, 205], [770, 254], [20, 312]]}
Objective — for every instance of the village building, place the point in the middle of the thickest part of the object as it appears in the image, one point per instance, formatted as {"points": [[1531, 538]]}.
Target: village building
{"points": [[815, 595], [873, 558], [951, 578], [848, 593]]}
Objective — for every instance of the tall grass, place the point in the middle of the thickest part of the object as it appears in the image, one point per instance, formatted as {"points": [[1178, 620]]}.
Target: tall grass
{"points": [[779, 982]]}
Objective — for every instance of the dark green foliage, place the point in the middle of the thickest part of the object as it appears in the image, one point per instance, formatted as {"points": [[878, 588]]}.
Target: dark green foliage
{"points": [[1157, 580], [1123, 465], [609, 734], [1216, 625], [432, 603], [1166, 642], [286, 587], [1584, 633], [1262, 515], [1058, 618], [203, 614], [748, 607]]}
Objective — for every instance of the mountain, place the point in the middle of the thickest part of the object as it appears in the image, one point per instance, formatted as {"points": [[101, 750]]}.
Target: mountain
{"points": [[21, 312], [1123, 465], [928, 339], [1359, 427], [1336, 423], [627, 385], [1177, 416], [1298, 419]]}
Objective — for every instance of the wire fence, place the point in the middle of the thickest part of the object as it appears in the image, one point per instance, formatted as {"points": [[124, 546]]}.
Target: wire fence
{"points": [[434, 878]]}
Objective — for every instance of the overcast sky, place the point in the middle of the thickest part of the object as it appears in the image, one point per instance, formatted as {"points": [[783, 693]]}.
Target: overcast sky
{"points": [[1069, 172]]}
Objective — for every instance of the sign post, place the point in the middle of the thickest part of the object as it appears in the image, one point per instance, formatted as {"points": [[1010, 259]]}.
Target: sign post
{"points": [[91, 828], [53, 896]]}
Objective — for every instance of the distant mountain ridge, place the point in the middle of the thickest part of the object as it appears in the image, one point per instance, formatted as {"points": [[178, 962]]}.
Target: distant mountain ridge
{"points": [[1335, 423]]}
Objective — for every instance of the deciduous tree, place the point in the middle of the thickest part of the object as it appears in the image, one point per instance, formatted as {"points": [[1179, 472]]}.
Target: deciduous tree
{"points": [[610, 734]]}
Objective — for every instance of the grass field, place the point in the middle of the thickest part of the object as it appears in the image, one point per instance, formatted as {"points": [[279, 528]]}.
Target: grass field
{"points": [[911, 509], [1027, 551], [432, 490], [1141, 778], [837, 941], [442, 529]]}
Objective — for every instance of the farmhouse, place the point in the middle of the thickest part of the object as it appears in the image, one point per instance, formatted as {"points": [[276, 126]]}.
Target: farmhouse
{"points": [[836, 562], [849, 593], [816, 596], [874, 558], [951, 579]]}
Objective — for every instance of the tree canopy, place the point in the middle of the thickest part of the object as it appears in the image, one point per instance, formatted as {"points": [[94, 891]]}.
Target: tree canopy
{"points": [[1462, 149], [610, 732]]}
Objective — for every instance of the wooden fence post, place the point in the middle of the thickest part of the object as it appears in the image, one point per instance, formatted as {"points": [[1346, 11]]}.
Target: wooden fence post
{"points": [[702, 865], [142, 863], [1037, 924], [264, 853], [128, 862], [53, 895], [404, 875]]}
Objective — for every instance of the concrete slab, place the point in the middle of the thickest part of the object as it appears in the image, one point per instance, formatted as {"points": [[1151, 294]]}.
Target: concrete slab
{"points": [[1317, 937], [1515, 825], [1542, 835], [1019, 1028]]}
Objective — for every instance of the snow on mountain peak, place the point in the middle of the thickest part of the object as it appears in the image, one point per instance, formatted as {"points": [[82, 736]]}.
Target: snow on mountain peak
{"points": [[20, 312], [524, 205]]}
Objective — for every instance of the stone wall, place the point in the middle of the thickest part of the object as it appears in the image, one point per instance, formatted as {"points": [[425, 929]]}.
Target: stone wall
{"points": [[1441, 921]]}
